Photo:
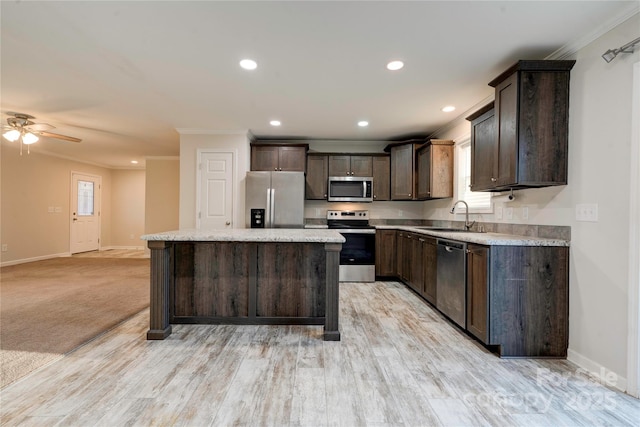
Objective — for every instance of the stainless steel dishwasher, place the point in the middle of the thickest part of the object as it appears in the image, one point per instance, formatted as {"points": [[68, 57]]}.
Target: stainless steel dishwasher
{"points": [[451, 280]]}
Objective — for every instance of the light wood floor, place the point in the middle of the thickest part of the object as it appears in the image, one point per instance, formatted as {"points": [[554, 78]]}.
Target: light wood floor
{"points": [[399, 363]]}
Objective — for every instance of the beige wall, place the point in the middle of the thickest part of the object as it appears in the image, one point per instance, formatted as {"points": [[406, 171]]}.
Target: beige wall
{"points": [[162, 196], [33, 183], [127, 208], [30, 185], [599, 172]]}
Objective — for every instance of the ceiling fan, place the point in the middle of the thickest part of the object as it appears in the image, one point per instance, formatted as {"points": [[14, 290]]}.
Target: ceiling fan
{"points": [[20, 126]]}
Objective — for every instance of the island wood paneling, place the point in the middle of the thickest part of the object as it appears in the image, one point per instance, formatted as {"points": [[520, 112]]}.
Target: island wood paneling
{"points": [[244, 283], [221, 279], [288, 281]]}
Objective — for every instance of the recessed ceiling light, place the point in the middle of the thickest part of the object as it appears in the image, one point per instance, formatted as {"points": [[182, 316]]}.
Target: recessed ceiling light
{"points": [[248, 64], [275, 123], [395, 65], [363, 123], [448, 108], [134, 162]]}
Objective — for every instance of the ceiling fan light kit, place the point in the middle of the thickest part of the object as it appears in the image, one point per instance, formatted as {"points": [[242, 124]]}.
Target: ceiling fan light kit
{"points": [[12, 135], [21, 127]]}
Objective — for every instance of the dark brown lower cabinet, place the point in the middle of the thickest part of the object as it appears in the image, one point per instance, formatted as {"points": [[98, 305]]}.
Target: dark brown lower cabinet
{"points": [[518, 299], [385, 253], [477, 295], [429, 252], [416, 280], [403, 256]]}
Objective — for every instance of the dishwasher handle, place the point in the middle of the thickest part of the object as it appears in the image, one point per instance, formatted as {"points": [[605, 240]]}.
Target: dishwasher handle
{"points": [[451, 246]]}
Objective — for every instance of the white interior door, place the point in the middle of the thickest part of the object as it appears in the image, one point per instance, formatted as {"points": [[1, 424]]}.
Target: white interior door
{"points": [[85, 213], [215, 195]]}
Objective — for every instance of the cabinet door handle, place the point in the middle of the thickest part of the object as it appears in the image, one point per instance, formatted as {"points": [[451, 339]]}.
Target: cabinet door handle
{"points": [[470, 185], [422, 240], [275, 169], [494, 179], [325, 196], [409, 194]]}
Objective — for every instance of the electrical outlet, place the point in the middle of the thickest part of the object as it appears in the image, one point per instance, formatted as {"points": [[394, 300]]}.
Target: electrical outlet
{"points": [[587, 212], [498, 212], [508, 213], [525, 212], [5, 247], [58, 209]]}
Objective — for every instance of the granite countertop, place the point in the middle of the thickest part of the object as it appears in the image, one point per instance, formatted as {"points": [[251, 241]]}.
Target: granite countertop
{"points": [[297, 235], [489, 239]]}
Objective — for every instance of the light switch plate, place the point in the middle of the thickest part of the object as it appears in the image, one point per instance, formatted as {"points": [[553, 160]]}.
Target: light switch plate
{"points": [[50, 209], [587, 212], [525, 212], [508, 213]]}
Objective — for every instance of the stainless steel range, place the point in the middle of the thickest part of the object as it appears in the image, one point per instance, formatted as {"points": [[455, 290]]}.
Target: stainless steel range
{"points": [[358, 255]]}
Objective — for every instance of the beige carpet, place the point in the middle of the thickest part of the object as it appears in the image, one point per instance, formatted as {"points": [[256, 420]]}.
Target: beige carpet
{"points": [[48, 308]]}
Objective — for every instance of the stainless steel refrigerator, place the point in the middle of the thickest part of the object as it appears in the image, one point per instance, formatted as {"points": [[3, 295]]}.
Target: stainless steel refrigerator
{"points": [[274, 199]]}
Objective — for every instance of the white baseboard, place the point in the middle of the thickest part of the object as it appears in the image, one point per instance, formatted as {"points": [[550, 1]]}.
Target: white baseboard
{"points": [[38, 258], [598, 371], [108, 248]]}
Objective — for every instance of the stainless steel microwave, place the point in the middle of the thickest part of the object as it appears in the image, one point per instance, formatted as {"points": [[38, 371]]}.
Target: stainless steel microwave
{"points": [[350, 189]]}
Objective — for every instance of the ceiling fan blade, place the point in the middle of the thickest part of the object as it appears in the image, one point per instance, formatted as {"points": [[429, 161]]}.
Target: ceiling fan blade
{"points": [[58, 136], [39, 127]]}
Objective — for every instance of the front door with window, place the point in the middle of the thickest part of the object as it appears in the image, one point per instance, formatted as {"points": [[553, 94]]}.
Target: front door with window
{"points": [[85, 213]]}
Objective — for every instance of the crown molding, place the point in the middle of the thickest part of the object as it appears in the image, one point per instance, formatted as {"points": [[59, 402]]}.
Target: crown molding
{"points": [[197, 131], [569, 49]]}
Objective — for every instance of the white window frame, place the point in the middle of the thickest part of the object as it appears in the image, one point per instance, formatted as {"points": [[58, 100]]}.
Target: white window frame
{"points": [[463, 173]]}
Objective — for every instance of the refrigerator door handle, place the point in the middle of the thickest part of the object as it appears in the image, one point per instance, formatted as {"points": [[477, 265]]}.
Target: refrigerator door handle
{"points": [[272, 207], [267, 211]]}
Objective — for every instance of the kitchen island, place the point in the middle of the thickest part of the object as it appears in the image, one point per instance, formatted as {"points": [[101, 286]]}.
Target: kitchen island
{"points": [[244, 277]]}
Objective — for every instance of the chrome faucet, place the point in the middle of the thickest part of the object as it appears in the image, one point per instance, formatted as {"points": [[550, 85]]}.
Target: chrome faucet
{"points": [[467, 224]]}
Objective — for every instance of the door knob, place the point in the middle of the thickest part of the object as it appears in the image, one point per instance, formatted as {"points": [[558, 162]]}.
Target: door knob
{"points": [[228, 223]]}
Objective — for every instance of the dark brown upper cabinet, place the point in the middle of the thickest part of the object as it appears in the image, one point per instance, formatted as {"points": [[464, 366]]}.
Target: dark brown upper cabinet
{"points": [[435, 169], [350, 165], [529, 143], [403, 169], [317, 176], [483, 143], [279, 157], [381, 177]]}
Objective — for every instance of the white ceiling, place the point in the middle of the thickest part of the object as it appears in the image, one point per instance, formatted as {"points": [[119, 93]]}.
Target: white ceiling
{"points": [[123, 76]]}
